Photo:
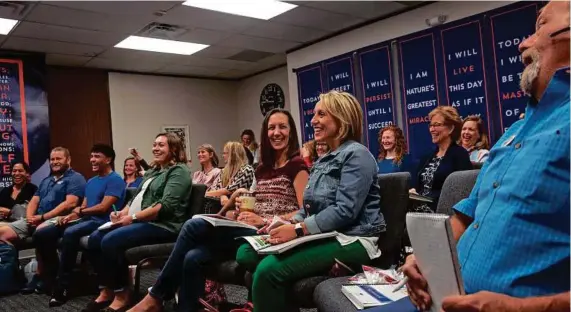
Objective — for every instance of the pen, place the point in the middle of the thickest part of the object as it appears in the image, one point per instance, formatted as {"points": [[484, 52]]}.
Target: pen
{"points": [[401, 284], [114, 209]]}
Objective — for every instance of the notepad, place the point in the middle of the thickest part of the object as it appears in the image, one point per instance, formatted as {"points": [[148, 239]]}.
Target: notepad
{"points": [[435, 251]]}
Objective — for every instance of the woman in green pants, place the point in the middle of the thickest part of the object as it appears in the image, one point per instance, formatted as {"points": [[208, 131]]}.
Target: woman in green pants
{"points": [[342, 195]]}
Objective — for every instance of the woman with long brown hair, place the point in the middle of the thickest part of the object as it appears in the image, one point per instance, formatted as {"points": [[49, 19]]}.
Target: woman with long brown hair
{"points": [[209, 166], [474, 139], [392, 151]]}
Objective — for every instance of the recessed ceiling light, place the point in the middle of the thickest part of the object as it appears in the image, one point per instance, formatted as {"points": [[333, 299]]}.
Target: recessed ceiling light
{"points": [[6, 25], [160, 45], [262, 9]]}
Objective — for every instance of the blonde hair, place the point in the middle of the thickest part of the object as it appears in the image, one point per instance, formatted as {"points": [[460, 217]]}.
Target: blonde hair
{"points": [[451, 118], [346, 112], [236, 160], [483, 140]]}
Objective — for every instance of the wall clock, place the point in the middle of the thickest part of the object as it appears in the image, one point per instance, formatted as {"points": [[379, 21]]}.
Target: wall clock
{"points": [[272, 97]]}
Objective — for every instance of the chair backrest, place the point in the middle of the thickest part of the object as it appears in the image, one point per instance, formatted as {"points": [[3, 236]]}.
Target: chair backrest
{"points": [[456, 187], [394, 200], [130, 193], [196, 200]]}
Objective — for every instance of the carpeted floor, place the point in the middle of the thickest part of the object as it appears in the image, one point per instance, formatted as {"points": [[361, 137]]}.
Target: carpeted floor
{"points": [[39, 303]]}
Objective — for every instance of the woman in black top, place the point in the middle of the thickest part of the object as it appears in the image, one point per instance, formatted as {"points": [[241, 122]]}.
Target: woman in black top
{"points": [[445, 127], [20, 192]]}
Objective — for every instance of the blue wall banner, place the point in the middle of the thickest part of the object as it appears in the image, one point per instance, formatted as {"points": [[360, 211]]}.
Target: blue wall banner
{"points": [[24, 121], [340, 75], [464, 70], [509, 29], [378, 97], [310, 85], [420, 90]]}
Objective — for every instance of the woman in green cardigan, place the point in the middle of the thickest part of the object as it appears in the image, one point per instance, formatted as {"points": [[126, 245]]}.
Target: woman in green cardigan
{"points": [[154, 216]]}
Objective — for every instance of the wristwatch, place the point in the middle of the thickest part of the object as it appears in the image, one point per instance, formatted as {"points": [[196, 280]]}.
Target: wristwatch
{"points": [[299, 230], [134, 218]]}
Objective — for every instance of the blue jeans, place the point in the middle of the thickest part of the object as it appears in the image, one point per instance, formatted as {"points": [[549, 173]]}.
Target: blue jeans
{"points": [[106, 250], [198, 243], [46, 241]]}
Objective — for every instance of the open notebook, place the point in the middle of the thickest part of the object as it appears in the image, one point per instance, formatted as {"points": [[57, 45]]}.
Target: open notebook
{"points": [[435, 251]]}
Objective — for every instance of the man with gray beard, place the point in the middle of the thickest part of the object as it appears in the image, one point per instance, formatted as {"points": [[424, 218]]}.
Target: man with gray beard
{"points": [[513, 229]]}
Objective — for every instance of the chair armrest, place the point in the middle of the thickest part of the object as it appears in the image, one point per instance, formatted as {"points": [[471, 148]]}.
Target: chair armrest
{"points": [[136, 254]]}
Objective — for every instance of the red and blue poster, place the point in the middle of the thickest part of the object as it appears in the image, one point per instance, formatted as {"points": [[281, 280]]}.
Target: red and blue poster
{"points": [[24, 121], [420, 90], [464, 70], [310, 85], [509, 28], [376, 76]]}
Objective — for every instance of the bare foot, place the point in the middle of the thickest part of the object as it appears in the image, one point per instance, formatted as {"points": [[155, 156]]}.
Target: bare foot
{"points": [[105, 295], [121, 300], [148, 304]]}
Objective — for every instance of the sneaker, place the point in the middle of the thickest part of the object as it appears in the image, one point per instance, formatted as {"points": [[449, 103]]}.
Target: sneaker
{"points": [[34, 286], [59, 297]]}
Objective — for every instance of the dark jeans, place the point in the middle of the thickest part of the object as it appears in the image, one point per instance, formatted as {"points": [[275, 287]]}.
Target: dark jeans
{"points": [[198, 243], [106, 250], [46, 241]]}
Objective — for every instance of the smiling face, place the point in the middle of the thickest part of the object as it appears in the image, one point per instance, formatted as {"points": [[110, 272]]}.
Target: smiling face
{"points": [[439, 130], [204, 157], [542, 54], [59, 163], [470, 134], [130, 167], [388, 140], [321, 149], [99, 162], [246, 140], [279, 131], [161, 151], [325, 128], [19, 174]]}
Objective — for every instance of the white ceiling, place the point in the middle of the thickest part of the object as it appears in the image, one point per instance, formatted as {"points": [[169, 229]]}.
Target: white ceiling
{"points": [[83, 33]]}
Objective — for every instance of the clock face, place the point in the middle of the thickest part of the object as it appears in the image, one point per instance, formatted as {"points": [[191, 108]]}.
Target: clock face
{"points": [[272, 97]]}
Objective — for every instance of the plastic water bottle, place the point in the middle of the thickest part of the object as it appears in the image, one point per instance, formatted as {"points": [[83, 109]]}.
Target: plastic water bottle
{"points": [[30, 269]]}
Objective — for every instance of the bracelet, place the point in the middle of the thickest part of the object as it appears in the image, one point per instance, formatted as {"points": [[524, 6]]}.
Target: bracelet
{"points": [[80, 214], [42, 218]]}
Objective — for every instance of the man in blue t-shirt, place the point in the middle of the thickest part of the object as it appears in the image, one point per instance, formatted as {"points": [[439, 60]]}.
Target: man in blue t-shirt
{"points": [[102, 192]]}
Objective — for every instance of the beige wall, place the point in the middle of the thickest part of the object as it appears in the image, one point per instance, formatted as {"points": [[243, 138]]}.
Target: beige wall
{"points": [[142, 104], [248, 100], [381, 31]]}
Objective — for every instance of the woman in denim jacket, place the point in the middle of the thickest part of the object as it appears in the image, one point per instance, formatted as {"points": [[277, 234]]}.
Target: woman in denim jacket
{"points": [[342, 195]]}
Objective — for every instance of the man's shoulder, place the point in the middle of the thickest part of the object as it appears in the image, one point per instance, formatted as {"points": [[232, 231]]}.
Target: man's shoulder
{"points": [[73, 175]]}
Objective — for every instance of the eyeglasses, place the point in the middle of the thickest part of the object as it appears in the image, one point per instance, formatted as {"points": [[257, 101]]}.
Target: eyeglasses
{"points": [[435, 125]]}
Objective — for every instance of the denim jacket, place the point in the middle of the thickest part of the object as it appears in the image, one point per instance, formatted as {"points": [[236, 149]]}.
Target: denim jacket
{"points": [[342, 193]]}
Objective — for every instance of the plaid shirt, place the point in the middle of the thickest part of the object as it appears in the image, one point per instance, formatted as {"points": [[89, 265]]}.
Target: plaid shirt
{"points": [[518, 242]]}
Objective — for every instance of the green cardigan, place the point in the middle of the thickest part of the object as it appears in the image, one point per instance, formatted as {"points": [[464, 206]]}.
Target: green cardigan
{"points": [[170, 188]]}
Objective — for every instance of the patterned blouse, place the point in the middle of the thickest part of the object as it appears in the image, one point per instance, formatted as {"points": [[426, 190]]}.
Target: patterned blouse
{"points": [[242, 179], [206, 178], [274, 191], [427, 177]]}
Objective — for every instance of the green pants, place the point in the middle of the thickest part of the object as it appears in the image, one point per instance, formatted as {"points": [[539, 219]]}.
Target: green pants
{"points": [[275, 274]]}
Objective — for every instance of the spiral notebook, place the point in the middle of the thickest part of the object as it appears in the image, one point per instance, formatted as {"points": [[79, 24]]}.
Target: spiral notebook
{"points": [[435, 251]]}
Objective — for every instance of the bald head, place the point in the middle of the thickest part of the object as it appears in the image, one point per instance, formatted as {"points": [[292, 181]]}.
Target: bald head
{"points": [[547, 49]]}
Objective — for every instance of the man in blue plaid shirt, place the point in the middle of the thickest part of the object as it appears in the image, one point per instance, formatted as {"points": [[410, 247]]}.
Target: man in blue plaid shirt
{"points": [[513, 229]]}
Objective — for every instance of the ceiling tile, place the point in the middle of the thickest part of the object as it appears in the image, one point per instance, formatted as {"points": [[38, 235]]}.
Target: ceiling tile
{"points": [[203, 36], [49, 14], [279, 31], [67, 34], [217, 63], [361, 9], [117, 7], [260, 44], [132, 65], [233, 73], [216, 51], [314, 18], [66, 60], [38, 45], [142, 56], [193, 17], [189, 70]]}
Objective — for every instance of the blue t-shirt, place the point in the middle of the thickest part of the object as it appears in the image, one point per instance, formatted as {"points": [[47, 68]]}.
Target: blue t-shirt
{"points": [[52, 191], [388, 165], [99, 187], [136, 183]]}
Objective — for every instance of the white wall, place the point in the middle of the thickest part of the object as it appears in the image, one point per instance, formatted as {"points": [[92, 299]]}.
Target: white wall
{"points": [[381, 31], [142, 104], [248, 100]]}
